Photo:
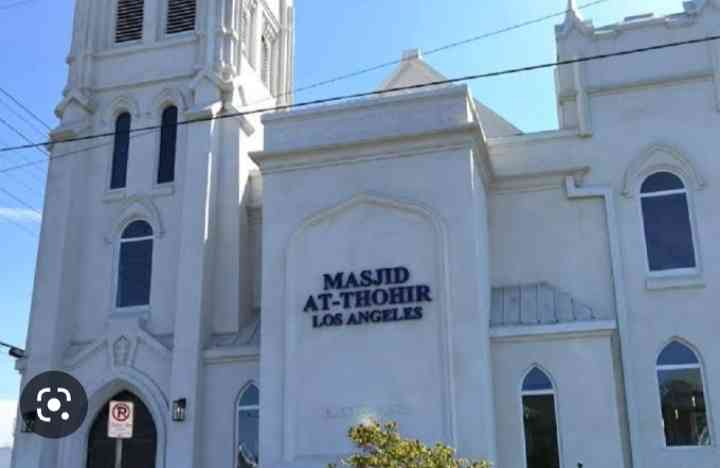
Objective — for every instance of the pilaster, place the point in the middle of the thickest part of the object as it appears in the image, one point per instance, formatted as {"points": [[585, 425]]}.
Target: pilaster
{"points": [[194, 266]]}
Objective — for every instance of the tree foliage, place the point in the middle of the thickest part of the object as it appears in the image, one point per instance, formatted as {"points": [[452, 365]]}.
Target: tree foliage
{"points": [[382, 446]]}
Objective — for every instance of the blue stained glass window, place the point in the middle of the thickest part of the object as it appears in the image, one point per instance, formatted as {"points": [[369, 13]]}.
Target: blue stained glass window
{"points": [[536, 380]]}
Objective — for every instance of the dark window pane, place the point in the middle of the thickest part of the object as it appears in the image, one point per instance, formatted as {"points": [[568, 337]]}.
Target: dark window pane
{"points": [[661, 181], [248, 435], [250, 397], [134, 273], [168, 142], [536, 380], [667, 232], [677, 354], [541, 444], [118, 179], [683, 407], [137, 229]]}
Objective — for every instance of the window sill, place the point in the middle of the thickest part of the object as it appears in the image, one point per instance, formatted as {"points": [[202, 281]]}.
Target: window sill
{"points": [[139, 312], [136, 46], [114, 195], [164, 190], [664, 281]]}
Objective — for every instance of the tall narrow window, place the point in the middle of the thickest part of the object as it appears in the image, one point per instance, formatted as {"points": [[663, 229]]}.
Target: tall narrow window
{"points": [[129, 21], [666, 217], [245, 32], [265, 68], [541, 434], [682, 396], [181, 16], [135, 265], [248, 427], [118, 177], [168, 143]]}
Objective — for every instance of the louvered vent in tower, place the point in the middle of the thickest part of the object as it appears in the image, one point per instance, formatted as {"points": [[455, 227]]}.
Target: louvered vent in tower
{"points": [[181, 16], [129, 24]]}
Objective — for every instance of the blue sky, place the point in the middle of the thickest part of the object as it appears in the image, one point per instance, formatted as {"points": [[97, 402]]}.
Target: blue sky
{"points": [[333, 38]]}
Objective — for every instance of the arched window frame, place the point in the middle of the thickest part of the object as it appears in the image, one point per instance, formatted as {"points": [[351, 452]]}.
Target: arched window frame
{"points": [[119, 242], [237, 409], [701, 367], [554, 393], [691, 219]]}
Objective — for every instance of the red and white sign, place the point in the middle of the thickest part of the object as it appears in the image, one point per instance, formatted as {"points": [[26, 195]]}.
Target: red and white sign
{"points": [[120, 422]]}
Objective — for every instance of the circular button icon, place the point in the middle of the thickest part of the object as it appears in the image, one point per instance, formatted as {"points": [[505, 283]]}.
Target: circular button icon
{"points": [[53, 404]]}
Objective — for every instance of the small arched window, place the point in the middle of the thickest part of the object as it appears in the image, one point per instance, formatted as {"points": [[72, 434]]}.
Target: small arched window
{"points": [[168, 145], [135, 265], [248, 427], [121, 150], [540, 422], [666, 220], [682, 397]]}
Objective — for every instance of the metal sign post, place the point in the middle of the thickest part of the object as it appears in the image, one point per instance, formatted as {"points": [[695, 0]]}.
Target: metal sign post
{"points": [[120, 426]]}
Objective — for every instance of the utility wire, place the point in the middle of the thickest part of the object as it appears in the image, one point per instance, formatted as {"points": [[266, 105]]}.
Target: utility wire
{"points": [[441, 48], [29, 124], [316, 102], [23, 107]]}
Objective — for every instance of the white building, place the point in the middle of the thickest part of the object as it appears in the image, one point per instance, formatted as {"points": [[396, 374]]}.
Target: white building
{"points": [[540, 300]]}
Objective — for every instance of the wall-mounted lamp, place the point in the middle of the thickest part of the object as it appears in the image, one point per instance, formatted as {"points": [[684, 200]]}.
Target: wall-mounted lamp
{"points": [[28, 422], [178, 410], [13, 351]]}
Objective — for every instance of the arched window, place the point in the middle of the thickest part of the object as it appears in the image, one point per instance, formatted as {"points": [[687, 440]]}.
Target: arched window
{"points": [[265, 68], [248, 427], [666, 220], [121, 149], [135, 265], [168, 144], [540, 422], [682, 397], [129, 20]]}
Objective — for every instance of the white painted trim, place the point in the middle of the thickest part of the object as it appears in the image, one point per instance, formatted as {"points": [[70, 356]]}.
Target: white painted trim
{"points": [[554, 332], [621, 307]]}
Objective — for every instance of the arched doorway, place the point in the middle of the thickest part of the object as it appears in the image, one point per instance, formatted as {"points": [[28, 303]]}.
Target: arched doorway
{"points": [[138, 452]]}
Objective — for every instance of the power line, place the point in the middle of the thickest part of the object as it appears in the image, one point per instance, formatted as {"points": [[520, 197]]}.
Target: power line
{"points": [[23, 107], [382, 65], [441, 48], [30, 124], [316, 102]]}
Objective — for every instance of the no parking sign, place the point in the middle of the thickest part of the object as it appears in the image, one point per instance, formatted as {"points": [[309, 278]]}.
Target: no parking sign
{"points": [[120, 420]]}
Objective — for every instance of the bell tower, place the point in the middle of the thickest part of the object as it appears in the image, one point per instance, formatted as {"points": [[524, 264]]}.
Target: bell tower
{"points": [[178, 66]]}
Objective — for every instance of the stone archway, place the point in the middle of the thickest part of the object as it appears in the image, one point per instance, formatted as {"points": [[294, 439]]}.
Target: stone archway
{"points": [[138, 452]]}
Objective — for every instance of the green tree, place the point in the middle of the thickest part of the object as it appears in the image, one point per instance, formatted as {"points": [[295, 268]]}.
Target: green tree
{"points": [[382, 446]]}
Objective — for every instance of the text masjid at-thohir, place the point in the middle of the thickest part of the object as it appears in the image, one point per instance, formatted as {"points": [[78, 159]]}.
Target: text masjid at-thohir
{"points": [[382, 287]]}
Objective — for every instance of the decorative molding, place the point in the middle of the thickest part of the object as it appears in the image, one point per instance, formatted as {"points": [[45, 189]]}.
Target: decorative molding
{"points": [[658, 157], [531, 182], [167, 97], [136, 207], [683, 281], [121, 351], [118, 106], [560, 331]]}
